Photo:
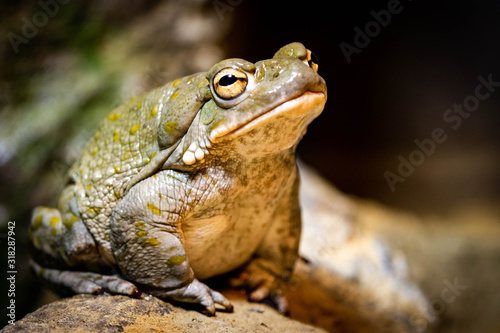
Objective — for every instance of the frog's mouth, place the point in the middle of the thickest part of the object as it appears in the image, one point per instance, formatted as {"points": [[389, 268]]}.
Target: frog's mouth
{"points": [[309, 104]]}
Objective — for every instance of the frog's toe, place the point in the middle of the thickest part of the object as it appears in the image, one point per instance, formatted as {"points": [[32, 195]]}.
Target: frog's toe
{"points": [[208, 297], [220, 299], [269, 290], [197, 292], [262, 286], [279, 300], [117, 285], [259, 294], [84, 282]]}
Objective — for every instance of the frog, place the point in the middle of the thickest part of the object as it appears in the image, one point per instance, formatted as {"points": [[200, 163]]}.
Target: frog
{"points": [[189, 181]]}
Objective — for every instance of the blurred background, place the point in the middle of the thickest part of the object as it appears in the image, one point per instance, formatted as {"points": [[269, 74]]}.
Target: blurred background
{"points": [[65, 64]]}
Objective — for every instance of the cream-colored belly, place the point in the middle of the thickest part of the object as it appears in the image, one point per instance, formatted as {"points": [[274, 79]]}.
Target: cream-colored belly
{"points": [[219, 244]]}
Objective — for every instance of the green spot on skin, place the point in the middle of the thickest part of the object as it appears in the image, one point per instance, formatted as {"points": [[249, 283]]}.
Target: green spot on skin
{"points": [[150, 242], [141, 233], [154, 112], [154, 209], [174, 95], [37, 223], [140, 224], [117, 169], [115, 116], [68, 224], [134, 129], [175, 261], [116, 136], [170, 127], [92, 210], [54, 220], [74, 218], [175, 83], [216, 124]]}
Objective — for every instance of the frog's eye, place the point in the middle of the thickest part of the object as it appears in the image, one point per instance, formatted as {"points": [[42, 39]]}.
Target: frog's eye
{"points": [[229, 83]]}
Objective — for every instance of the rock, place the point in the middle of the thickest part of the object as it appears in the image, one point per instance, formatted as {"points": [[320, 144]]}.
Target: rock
{"points": [[371, 268], [88, 313], [349, 277]]}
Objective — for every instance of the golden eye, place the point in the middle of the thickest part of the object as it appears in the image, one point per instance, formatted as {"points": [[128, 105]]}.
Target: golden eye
{"points": [[230, 83]]}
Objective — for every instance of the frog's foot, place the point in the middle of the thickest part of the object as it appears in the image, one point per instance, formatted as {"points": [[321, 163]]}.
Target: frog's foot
{"points": [[199, 293], [262, 285], [85, 282]]}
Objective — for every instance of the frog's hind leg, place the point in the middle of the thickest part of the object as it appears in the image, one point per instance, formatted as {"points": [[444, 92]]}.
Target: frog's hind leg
{"points": [[62, 245]]}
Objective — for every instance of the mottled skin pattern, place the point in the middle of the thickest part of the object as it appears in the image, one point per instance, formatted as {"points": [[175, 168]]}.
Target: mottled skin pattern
{"points": [[184, 183]]}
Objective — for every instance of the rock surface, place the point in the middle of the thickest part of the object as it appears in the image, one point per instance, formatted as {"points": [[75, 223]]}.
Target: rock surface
{"points": [[87, 313], [359, 280], [371, 268]]}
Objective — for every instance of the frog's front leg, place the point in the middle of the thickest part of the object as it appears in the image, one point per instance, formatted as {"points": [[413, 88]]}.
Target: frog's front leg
{"points": [[271, 267], [147, 242]]}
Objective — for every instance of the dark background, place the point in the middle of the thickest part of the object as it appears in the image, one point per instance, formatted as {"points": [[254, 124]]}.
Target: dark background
{"points": [[393, 92]]}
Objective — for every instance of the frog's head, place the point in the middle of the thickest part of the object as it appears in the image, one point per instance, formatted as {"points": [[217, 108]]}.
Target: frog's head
{"points": [[265, 106], [249, 109]]}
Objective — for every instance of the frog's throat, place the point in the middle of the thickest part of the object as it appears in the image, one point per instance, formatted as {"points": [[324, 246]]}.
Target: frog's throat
{"points": [[308, 104]]}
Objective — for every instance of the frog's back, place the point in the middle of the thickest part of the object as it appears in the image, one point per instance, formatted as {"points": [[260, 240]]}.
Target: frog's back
{"points": [[126, 143]]}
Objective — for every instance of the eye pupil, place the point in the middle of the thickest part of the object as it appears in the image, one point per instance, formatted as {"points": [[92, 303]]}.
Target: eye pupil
{"points": [[229, 83], [227, 80]]}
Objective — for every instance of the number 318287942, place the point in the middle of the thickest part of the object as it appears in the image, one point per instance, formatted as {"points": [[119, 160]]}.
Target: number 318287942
{"points": [[11, 243]]}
